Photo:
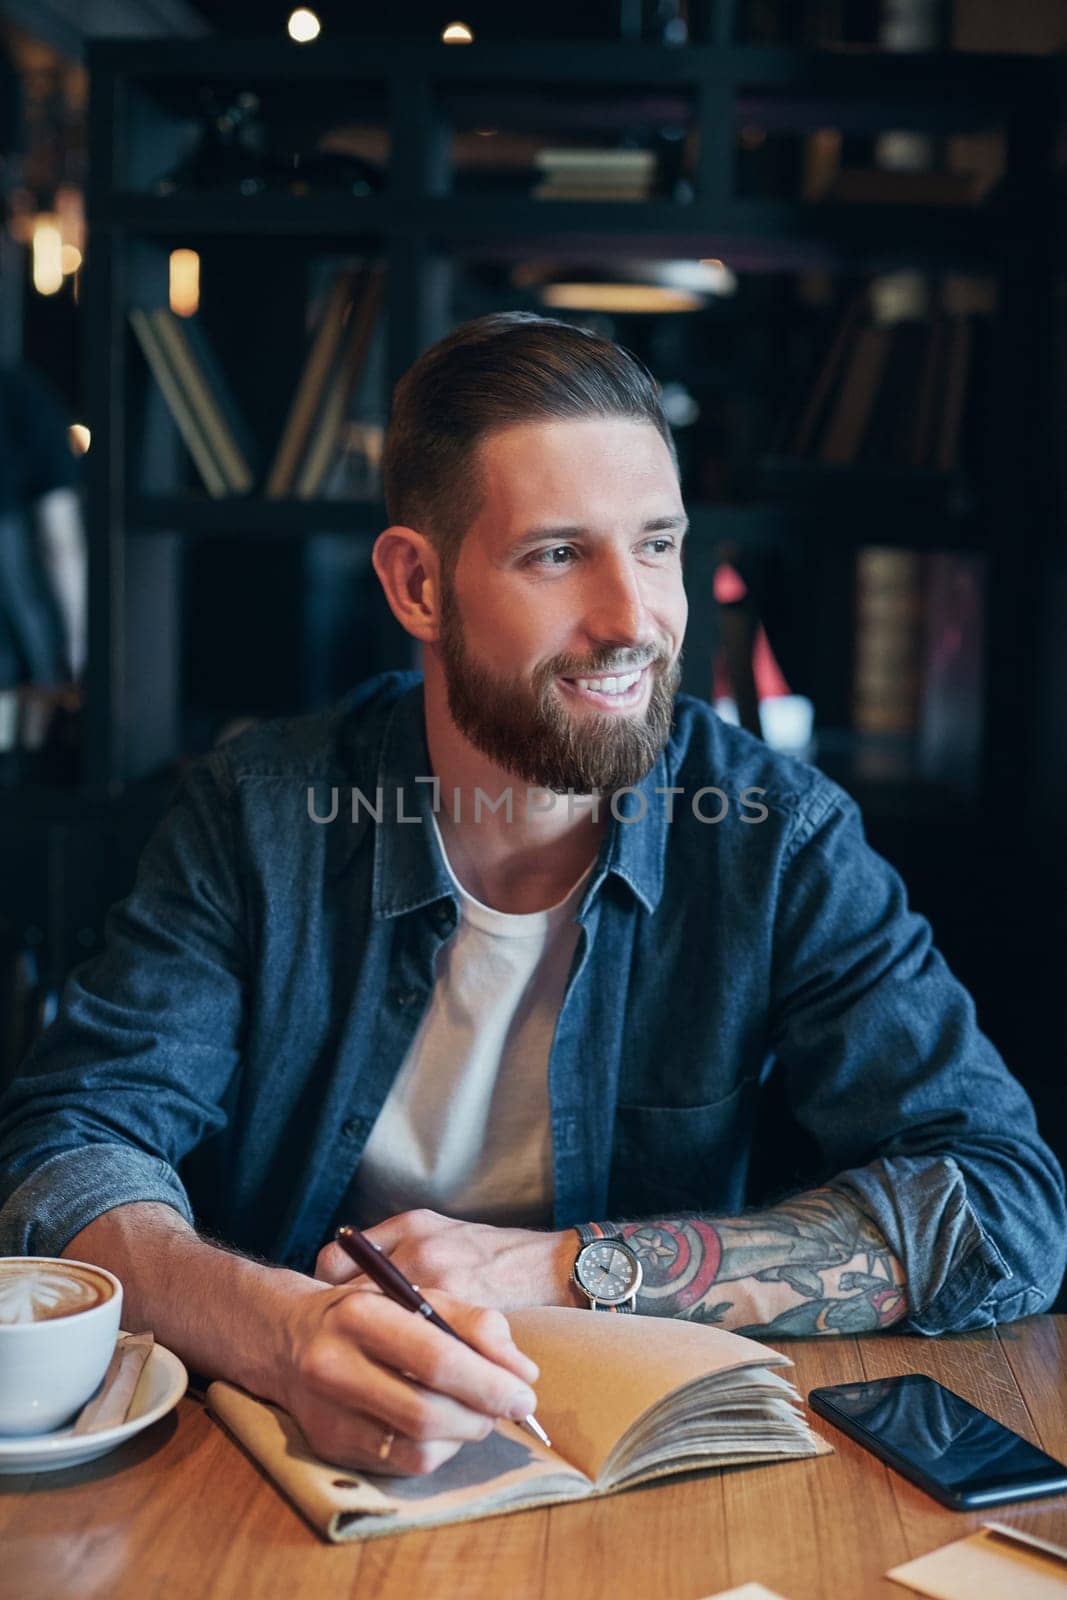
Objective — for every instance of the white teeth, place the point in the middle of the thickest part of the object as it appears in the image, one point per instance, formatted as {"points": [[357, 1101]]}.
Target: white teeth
{"points": [[609, 685]]}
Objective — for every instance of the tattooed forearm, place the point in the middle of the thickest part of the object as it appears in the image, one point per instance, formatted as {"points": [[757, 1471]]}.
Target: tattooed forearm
{"points": [[813, 1264]]}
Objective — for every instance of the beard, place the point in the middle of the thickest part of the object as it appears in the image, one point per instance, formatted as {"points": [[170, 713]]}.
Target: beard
{"points": [[525, 727]]}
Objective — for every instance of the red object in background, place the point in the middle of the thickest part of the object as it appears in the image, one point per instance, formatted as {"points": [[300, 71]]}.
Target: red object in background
{"points": [[729, 587]]}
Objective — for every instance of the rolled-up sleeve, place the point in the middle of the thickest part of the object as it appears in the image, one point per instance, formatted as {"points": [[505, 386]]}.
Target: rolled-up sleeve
{"points": [[908, 1101], [132, 1073]]}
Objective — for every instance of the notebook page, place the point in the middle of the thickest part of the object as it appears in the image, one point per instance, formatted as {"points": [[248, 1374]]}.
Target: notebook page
{"points": [[600, 1372]]}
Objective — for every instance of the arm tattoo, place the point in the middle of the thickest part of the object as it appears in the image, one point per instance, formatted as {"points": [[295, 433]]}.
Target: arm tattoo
{"points": [[813, 1264]]}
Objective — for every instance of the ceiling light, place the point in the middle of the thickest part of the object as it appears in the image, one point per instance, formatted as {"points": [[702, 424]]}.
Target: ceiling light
{"points": [[457, 33], [47, 254], [184, 286], [303, 25], [626, 286], [710, 276], [619, 297]]}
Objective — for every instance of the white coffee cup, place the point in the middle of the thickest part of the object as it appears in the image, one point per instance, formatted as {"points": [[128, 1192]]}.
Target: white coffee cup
{"points": [[59, 1321]]}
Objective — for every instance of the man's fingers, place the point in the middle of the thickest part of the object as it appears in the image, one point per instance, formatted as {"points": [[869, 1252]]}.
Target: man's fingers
{"points": [[334, 1265], [354, 1440], [487, 1330], [449, 1373], [410, 1227], [343, 1376]]}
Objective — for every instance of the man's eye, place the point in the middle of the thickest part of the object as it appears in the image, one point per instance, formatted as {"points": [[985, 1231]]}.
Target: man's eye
{"points": [[661, 546], [548, 558]]}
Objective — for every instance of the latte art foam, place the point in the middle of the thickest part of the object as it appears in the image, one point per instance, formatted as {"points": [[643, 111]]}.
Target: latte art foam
{"points": [[38, 1292]]}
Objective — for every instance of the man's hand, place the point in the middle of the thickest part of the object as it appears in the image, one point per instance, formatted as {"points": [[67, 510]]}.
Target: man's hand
{"points": [[350, 1365], [502, 1267], [361, 1367]]}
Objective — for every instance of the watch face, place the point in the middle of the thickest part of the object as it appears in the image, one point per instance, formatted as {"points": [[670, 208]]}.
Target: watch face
{"points": [[607, 1272]]}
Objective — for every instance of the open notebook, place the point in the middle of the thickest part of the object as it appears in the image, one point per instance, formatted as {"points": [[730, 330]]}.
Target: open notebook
{"points": [[623, 1399]]}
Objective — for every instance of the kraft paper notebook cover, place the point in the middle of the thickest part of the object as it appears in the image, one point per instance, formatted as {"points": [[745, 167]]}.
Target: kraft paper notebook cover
{"points": [[623, 1399]]}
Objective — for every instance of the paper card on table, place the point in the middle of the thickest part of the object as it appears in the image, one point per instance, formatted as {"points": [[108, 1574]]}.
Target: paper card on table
{"points": [[747, 1591], [996, 1561]]}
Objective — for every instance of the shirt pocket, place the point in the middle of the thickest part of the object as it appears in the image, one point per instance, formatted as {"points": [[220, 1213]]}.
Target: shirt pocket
{"points": [[687, 1158]]}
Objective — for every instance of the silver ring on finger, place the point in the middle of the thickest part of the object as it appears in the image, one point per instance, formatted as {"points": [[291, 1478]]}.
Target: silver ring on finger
{"points": [[388, 1440]]}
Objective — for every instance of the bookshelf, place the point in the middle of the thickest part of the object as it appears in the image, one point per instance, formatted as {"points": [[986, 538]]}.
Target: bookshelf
{"points": [[417, 107], [434, 210]]}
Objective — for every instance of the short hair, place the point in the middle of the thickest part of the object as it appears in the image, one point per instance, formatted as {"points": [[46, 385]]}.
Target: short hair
{"points": [[495, 372]]}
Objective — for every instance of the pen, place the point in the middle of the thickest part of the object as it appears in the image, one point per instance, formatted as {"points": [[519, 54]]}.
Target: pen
{"points": [[389, 1278]]}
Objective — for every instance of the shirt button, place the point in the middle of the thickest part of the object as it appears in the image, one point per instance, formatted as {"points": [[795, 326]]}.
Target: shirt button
{"points": [[352, 1128], [404, 999]]}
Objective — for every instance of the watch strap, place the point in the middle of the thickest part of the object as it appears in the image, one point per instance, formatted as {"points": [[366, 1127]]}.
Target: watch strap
{"points": [[589, 1233]]}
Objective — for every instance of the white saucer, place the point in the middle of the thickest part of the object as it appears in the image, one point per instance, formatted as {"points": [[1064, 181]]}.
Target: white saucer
{"points": [[159, 1388]]}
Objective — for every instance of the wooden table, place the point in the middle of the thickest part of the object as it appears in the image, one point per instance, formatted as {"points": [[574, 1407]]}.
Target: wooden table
{"points": [[182, 1512]]}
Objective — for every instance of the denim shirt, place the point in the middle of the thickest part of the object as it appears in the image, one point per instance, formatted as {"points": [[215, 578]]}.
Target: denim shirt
{"points": [[228, 1051]]}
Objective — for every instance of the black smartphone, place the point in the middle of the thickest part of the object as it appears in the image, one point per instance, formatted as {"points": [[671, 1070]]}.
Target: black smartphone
{"points": [[955, 1452]]}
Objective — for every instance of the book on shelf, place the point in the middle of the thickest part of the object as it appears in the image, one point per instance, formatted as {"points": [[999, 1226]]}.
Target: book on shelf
{"points": [[924, 417], [817, 400], [957, 375], [599, 161], [851, 414], [625, 1400], [893, 391], [953, 675], [187, 422], [888, 641], [204, 383], [820, 163], [919, 656], [309, 390], [594, 174], [593, 192], [882, 186], [888, 435], [326, 431]]}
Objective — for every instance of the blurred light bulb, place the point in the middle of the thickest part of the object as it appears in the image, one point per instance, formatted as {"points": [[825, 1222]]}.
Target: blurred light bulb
{"points": [[304, 25], [47, 248], [457, 33], [80, 438], [619, 297], [184, 282], [70, 258]]}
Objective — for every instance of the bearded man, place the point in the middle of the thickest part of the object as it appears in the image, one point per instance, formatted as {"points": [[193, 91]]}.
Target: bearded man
{"points": [[498, 962]]}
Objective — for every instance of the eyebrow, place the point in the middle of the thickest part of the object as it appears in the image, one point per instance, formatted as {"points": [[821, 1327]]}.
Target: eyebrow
{"points": [[534, 536]]}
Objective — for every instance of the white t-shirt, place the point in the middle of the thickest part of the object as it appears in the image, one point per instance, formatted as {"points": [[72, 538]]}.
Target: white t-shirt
{"points": [[465, 1129]]}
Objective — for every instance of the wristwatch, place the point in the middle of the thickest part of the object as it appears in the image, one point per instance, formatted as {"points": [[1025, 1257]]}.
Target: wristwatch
{"points": [[606, 1270]]}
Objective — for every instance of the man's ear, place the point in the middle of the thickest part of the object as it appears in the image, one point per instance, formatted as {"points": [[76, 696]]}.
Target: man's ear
{"points": [[409, 572]]}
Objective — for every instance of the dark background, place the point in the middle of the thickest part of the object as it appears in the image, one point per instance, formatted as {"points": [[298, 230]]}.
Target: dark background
{"points": [[273, 610]]}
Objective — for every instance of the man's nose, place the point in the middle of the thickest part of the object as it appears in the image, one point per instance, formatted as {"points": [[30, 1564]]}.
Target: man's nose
{"points": [[615, 610]]}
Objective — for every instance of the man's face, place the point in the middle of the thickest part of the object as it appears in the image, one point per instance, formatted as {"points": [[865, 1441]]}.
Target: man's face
{"points": [[562, 626]]}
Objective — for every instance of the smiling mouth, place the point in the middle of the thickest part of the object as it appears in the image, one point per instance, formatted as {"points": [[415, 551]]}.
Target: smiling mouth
{"points": [[617, 691]]}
